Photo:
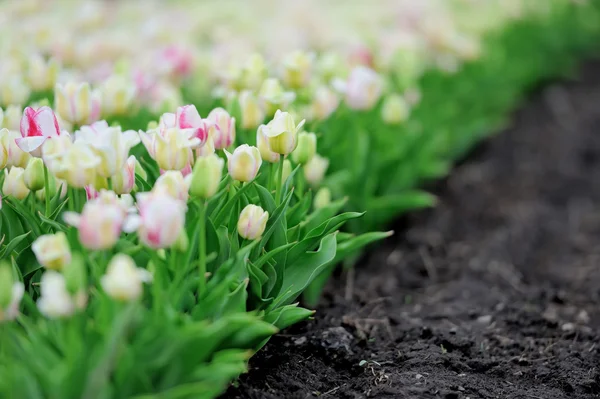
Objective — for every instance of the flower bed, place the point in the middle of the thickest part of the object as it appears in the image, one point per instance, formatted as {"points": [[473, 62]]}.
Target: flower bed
{"points": [[134, 262]]}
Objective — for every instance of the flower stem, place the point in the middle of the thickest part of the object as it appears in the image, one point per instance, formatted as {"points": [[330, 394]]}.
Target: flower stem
{"points": [[46, 191], [270, 181], [202, 249], [278, 182]]}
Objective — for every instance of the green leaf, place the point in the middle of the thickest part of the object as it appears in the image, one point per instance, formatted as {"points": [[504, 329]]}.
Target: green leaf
{"points": [[384, 208], [226, 210], [322, 214], [12, 245], [57, 226], [25, 215]]}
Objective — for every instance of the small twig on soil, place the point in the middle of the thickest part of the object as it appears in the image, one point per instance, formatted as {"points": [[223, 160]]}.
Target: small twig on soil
{"points": [[349, 284], [428, 263], [332, 390]]}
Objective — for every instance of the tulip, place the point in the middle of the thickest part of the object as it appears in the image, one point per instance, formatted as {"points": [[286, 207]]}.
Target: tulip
{"points": [[74, 103], [79, 165], [52, 251], [11, 293], [273, 96], [54, 150], [14, 183], [207, 149], [117, 95], [252, 222], [171, 147], [124, 181], [123, 280], [161, 219], [244, 163], [282, 133], [206, 176], [252, 113], [111, 146], [262, 142], [297, 68], [37, 126], [4, 137], [55, 301], [306, 149], [174, 184], [322, 198], [224, 135], [34, 174], [12, 117], [42, 74], [363, 88], [13, 90], [395, 109], [99, 224], [325, 102], [187, 117], [16, 156], [254, 72], [314, 170]]}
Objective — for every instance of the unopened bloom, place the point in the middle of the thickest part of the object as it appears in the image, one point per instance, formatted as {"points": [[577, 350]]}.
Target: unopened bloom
{"points": [[16, 156], [117, 95], [123, 181], [252, 222], [314, 170], [12, 117], [173, 183], [282, 133], [123, 279], [224, 135], [13, 90], [395, 109], [171, 147], [325, 102], [37, 126], [34, 174], [262, 142], [306, 149], [244, 163], [297, 68], [274, 97], [160, 221], [99, 224], [322, 198], [55, 300], [52, 251], [42, 74], [111, 146], [14, 183], [206, 176], [363, 88], [79, 164], [252, 112], [4, 146], [74, 103]]}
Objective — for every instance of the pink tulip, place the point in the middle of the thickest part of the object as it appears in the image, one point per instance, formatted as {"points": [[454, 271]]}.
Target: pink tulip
{"points": [[99, 224], [363, 89], [160, 221], [36, 127], [124, 181], [224, 135]]}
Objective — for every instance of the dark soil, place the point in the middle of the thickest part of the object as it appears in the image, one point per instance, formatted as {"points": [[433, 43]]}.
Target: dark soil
{"points": [[493, 294]]}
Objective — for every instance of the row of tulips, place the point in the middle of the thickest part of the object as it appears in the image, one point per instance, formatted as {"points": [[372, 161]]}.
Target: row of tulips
{"points": [[147, 250]]}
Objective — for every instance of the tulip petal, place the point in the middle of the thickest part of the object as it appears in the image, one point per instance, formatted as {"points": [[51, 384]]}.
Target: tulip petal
{"points": [[30, 144], [72, 218]]}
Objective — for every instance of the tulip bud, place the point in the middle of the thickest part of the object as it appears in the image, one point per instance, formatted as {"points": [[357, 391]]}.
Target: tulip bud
{"points": [[325, 102], [123, 281], [287, 170], [117, 95], [173, 183], [183, 242], [99, 224], [244, 163], [12, 117], [34, 174], [76, 274], [314, 170], [262, 142], [13, 90], [37, 126], [42, 74], [16, 156], [11, 293], [274, 97], [14, 183], [252, 113], [395, 109], [252, 222], [74, 103], [307, 148], [206, 176], [297, 68], [363, 89], [224, 135], [55, 301], [322, 198], [4, 134], [282, 133], [52, 250], [124, 181]]}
